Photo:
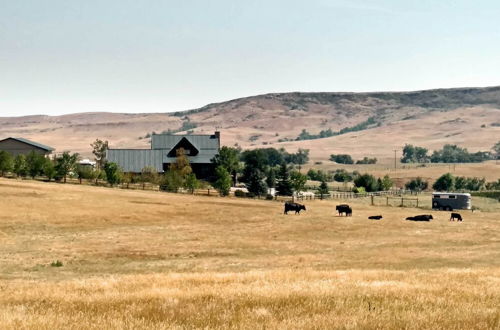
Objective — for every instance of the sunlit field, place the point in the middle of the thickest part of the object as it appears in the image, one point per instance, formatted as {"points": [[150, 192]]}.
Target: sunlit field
{"points": [[143, 259]]}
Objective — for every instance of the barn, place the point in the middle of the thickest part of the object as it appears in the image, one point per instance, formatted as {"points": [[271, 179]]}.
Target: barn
{"points": [[20, 146], [199, 149]]}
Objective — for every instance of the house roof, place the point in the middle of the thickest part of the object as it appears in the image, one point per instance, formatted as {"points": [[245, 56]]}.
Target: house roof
{"points": [[162, 145], [35, 144], [134, 160]]}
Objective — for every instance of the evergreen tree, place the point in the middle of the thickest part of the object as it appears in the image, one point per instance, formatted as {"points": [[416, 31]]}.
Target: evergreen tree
{"points": [[323, 189], [284, 185], [271, 178], [256, 184]]}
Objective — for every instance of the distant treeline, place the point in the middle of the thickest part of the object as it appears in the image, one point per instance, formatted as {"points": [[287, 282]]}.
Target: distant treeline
{"points": [[347, 159], [450, 153], [305, 135]]}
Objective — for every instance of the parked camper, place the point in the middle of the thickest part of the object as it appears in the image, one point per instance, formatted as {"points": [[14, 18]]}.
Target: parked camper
{"points": [[451, 201]]}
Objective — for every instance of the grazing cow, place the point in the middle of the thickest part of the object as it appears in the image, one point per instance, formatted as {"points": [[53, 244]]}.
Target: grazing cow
{"points": [[375, 217], [294, 207], [423, 217], [456, 216], [344, 208]]}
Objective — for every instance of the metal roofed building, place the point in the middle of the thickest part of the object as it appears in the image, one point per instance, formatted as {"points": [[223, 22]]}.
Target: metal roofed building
{"points": [[21, 146], [199, 149]]}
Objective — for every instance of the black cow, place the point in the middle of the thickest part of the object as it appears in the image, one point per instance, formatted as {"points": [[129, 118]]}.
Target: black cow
{"points": [[344, 208], [375, 217], [423, 217], [456, 216], [294, 207]]}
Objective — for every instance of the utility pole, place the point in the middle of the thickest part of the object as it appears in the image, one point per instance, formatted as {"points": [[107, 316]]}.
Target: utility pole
{"points": [[395, 159]]}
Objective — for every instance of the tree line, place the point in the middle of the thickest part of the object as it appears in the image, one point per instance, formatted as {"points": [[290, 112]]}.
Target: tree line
{"points": [[450, 153]]}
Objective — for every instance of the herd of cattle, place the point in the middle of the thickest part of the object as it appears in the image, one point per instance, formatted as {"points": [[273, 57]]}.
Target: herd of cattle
{"points": [[347, 210]]}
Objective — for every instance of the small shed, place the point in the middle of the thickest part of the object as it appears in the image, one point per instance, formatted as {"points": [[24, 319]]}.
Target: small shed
{"points": [[21, 146]]}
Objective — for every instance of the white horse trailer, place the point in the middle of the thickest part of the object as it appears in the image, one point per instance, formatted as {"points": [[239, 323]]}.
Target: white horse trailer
{"points": [[451, 201]]}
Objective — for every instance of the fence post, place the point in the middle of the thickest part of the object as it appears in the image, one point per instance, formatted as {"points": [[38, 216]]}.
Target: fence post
{"points": [[387, 202], [209, 192], [372, 199], [417, 202], [402, 201]]}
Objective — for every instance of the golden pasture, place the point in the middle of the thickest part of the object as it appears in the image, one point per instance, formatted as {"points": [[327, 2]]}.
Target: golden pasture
{"points": [[139, 259]]}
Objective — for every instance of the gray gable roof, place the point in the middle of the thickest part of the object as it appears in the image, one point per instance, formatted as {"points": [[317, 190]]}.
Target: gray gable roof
{"points": [[134, 160], [35, 144]]}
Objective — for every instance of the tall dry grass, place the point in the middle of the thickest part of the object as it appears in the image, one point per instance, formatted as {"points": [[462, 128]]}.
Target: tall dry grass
{"points": [[134, 259]]}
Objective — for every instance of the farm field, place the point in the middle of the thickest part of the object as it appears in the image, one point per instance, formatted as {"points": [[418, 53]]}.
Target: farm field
{"points": [[143, 259]]}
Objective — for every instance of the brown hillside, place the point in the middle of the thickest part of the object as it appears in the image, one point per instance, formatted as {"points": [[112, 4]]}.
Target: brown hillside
{"points": [[469, 117]]}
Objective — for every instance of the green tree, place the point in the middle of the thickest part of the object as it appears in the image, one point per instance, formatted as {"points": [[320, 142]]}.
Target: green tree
{"points": [[65, 164], [191, 183], [323, 189], [445, 182], [178, 171], [413, 154], [298, 181], [367, 181], [6, 162], [223, 182], [386, 183], [20, 165], [496, 150], [229, 158], [99, 149], [271, 178], [34, 163], [284, 185], [417, 184], [256, 184], [342, 159], [114, 174], [49, 169], [84, 172]]}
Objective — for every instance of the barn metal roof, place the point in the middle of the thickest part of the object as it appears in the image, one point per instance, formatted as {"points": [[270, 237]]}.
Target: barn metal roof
{"points": [[35, 144], [134, 160]]}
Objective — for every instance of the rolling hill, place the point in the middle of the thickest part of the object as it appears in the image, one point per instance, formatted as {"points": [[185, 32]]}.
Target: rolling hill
{"points": [[374, 124]]}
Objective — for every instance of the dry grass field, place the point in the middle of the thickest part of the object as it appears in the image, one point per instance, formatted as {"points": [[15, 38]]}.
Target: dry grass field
{"points": [[136, 259]]}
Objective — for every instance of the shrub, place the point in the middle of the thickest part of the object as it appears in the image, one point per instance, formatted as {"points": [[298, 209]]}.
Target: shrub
{"points": [[239, 193], [57, 263], [269, 197], [417, 184], [341, 159]]}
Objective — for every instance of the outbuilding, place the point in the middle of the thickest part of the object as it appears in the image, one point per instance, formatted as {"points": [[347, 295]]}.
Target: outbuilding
{"points": [[21, 146]]}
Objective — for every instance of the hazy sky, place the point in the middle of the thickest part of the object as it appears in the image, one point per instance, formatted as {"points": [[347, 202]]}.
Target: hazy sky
{"points": [[157, 56]]}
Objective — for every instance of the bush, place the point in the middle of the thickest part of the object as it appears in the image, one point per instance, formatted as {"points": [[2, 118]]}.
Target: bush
{"points": [[342, 159], [368, 182], [269, 197], [445, 182], [57, 263], [239, 193], [359, 190], [417, 184]]}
